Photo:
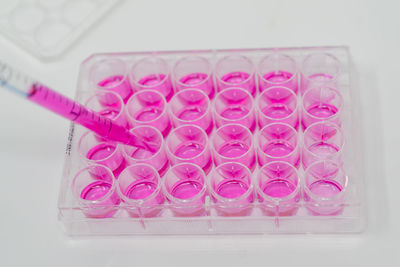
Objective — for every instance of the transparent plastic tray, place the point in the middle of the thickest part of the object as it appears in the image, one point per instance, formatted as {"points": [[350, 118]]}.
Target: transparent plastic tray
{"points": [[46, 28], [350, 220]]}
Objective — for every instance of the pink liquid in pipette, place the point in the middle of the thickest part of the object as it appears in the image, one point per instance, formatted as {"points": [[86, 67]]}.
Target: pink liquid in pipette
{"points": [[79, 114], [191, 112], [322, 110], [233, 149], [186, 189], [277, 111], [95, 190], [278, 148], [193, 78], [325, 188], [278, 188], [278, 76], [140, 190], [232, 189], [100, 151], [236, 77]]}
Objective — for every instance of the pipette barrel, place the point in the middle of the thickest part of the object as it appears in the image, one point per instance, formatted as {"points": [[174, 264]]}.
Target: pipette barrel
{"points": [[79, 114]]}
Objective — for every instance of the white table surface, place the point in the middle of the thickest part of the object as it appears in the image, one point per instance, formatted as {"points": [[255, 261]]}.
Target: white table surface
{"points": [[32, 141]]}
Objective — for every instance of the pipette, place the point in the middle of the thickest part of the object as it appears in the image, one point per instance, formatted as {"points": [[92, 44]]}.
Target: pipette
{"points": [[38, 93]]}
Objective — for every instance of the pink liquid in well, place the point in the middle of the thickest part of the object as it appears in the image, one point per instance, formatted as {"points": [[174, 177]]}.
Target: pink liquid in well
{"points": [[111, 81], [234, 112], [100, 151], [194, 78], [278, 76], [191, 112], [235, 77], [198, 80], [186, 189], [278, 188], [140, 190], [321, 77], [109, 113], [158, 82], [148, 114], [322, 110], [119, 169], [325, 188], [232, 189], [145, 155], [278, 148], [119, 85], [277, 111], [152, 79], [139, 153], [323, 149], [163, 169], [189, 149], [233, 149], [95, 190]]}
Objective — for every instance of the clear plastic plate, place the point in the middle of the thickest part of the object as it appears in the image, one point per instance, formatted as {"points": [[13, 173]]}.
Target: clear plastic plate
{"points": [[46, 28], [350, 219]]}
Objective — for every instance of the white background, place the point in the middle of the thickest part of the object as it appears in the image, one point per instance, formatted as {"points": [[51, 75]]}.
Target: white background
{"points": [[32, 141]]}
